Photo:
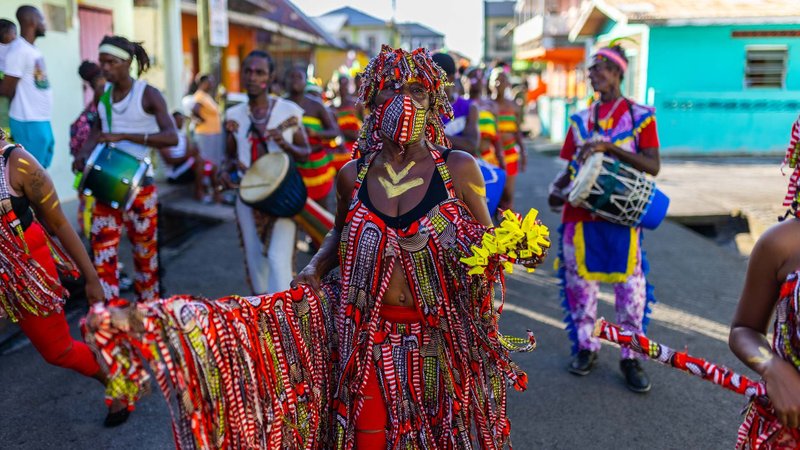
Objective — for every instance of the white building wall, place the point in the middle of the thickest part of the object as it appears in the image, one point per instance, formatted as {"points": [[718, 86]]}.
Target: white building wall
{"points": [[61, 51]]}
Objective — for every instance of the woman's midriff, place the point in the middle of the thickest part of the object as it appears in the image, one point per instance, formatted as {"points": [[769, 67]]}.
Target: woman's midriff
{"points": [[398, 293]]}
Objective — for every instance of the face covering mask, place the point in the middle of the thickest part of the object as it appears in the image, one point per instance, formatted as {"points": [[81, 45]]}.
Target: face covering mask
{"points": [[402, 120]]}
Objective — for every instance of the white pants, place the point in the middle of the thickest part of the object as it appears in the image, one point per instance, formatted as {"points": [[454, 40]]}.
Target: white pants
{"points": [[271, 272]]}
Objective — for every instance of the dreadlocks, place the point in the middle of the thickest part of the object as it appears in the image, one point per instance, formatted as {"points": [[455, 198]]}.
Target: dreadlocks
{"points": [[133, 49], [398, 67]]}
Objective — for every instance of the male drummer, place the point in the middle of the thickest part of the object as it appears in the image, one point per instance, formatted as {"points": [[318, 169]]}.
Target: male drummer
{"points": [[269, 242], [595, 250], [139, 120]]}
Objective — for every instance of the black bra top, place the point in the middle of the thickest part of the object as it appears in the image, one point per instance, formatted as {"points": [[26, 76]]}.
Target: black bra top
{"points": [[437, 193], [20, 205]]}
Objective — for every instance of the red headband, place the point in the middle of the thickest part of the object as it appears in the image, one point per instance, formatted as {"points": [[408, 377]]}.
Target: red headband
{"points": [[613, 57]]}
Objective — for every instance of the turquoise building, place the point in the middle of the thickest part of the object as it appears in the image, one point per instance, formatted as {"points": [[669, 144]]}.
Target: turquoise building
{"points": [[723, 75]]}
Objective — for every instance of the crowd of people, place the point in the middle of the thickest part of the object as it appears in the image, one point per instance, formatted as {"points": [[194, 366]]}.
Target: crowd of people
{"points": [[402, 155]]}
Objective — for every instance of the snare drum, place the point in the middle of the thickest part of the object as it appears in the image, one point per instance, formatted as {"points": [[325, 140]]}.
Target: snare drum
{"points": [[273, 185], [618, 193], [113, 176]]}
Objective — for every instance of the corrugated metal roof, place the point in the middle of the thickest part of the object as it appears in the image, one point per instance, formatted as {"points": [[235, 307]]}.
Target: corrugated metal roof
{"points": [[499, 9], [356, 18], [282, 15], [417, 30], [662, 10]]}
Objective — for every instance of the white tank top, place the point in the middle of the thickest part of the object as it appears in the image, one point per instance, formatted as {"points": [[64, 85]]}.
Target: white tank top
{"points": [[128, 116]]}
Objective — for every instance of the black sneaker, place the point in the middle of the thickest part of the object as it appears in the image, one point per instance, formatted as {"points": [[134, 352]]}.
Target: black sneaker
{"points": [[635, 377], [583, 363]]}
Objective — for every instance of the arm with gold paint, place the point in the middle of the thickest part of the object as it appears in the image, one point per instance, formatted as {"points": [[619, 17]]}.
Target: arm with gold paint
{"points": [[748, 338], [469, 185], [28, 177]]}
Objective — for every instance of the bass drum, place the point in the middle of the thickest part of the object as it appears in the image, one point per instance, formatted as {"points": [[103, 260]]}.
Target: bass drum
{"points": [[273, 185], [618, 193]]}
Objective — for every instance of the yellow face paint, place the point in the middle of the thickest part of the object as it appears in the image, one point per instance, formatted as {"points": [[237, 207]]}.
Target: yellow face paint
{"points": [[481, 191], [24, 161], [20, 169], [55, 204]]}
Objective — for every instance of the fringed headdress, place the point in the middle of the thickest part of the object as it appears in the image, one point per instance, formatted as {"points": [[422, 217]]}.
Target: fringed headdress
{"points": [[398, 67]]}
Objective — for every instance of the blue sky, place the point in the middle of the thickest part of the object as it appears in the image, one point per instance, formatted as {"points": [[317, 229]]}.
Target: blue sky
{"points": [[461, 21]]}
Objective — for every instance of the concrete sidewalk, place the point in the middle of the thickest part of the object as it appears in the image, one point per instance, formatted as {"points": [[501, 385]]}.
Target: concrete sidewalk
{"points": [[712, 191]]}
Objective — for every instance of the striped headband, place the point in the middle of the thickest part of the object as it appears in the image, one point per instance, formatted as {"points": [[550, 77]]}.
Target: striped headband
{"points": [[113, 50], [612, 56]]}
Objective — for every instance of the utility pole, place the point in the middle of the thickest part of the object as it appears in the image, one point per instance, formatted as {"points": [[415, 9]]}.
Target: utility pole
{"points": [[209, 51], [172, 51], [395, 32]]}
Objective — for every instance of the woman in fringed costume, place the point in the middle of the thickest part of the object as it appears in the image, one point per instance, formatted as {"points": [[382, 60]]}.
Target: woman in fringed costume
{"points": [[509, 133], [771, 286], [30, 292], [421, 362], [318, 172], [398, 348], [594, 250], [490, 149], [348, 120]]}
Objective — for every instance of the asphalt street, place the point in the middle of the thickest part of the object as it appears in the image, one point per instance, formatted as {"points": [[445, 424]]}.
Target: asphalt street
{"points": [[697, 286]]}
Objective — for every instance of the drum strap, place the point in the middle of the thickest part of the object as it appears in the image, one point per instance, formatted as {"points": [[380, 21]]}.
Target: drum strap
{"points": [[259, 140], [105, 99], [609, 185]]}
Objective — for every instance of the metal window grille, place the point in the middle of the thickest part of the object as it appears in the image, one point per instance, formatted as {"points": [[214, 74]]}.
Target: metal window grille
{"points": [[766, 66]]}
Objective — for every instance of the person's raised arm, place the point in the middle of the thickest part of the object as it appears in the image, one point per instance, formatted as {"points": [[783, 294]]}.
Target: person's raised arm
{"points": [[327, 258], [39, 190], [749, 327], [167, 136]]}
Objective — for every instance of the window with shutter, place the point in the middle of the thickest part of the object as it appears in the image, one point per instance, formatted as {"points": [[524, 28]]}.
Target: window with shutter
{"points": [[765, 66]]}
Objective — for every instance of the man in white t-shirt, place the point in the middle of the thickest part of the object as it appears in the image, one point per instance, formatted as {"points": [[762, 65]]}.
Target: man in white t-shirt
{"points": [[253, 130], [8, 34], [26, 84]]}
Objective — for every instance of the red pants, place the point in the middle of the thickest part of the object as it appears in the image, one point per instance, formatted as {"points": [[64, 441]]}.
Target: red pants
{"points": [[50, 334], [141, 222], [371, 422]]}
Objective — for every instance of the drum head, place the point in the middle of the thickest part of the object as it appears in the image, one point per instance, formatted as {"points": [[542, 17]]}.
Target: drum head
{"points": [[583, 182], [264, 177]]}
